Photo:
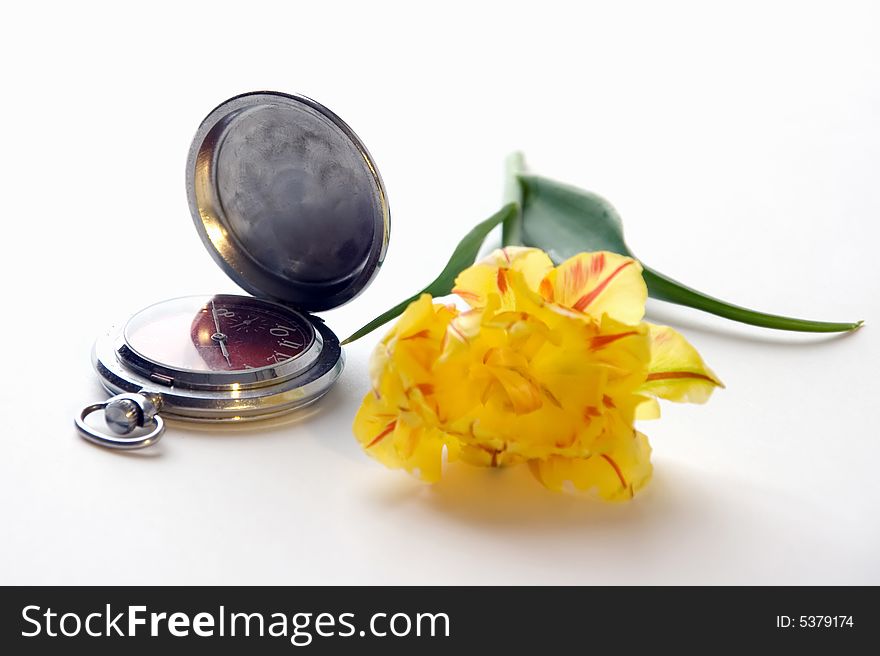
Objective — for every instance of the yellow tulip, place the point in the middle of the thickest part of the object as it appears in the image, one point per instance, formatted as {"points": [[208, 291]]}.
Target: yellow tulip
{"points": [[550, 366]]}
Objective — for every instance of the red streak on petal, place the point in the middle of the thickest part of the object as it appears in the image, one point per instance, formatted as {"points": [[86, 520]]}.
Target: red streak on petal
{"points": [[661, 337], [425, 388], [663, 375], [390, 427], [577, 275], [588, 298], [468, 296], [591, 411], [546, 289], [551, 396], [616, 470], [608, 401], [501, 280], [597, 265], [505, 254], [458, 332], [601, 341]]}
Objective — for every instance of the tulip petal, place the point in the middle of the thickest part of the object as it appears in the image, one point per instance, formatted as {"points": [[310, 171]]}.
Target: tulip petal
{"points": [[552, 376], [648, 409], [490, 275], [599, 283], [616, 475], [522, 394], [396, 444], [676, 371]]}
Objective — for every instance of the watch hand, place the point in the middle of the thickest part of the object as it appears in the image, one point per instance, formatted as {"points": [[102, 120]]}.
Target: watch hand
{"points": [[225, 352], [219, 337], [216, 318]]}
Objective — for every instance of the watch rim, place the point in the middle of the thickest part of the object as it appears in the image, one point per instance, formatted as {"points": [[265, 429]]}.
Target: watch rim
{"points": [[221, 380], [212, 405]]}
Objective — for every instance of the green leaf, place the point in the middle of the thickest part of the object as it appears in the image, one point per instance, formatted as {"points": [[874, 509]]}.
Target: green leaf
{"points": [[664, 288], [464, 255], [565, 221]]}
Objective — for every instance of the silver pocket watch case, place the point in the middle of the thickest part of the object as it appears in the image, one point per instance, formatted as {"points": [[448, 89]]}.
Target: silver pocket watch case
{"points": [[289, 203]]}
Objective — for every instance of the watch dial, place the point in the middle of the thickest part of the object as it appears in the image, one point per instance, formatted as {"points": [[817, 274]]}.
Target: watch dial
{"points": [[218, 333]]}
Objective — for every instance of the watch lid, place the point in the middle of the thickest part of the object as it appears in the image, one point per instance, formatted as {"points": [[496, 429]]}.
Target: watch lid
{"points": [[287, 200]]}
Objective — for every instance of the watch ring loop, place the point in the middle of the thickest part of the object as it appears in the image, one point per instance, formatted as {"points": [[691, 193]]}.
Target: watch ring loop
{"points": [[115, 441]]}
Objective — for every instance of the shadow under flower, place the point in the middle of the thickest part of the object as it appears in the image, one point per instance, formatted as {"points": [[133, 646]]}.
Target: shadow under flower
{"points": [[688, 526], [510, 499]]}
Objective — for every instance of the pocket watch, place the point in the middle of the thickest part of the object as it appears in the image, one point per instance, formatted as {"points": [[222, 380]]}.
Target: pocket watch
{"points": [[290, 204]]}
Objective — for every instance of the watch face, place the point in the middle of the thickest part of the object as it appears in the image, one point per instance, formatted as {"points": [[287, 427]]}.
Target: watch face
{"points": [[222, 333]]}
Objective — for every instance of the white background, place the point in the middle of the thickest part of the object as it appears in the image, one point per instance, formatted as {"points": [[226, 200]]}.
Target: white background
{"points": [[740, 143]]}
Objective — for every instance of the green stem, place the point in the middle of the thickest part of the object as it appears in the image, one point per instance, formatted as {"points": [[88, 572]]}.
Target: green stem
{"points": [[382, 319], [462, 257], [664, 288], [511, 229]]}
